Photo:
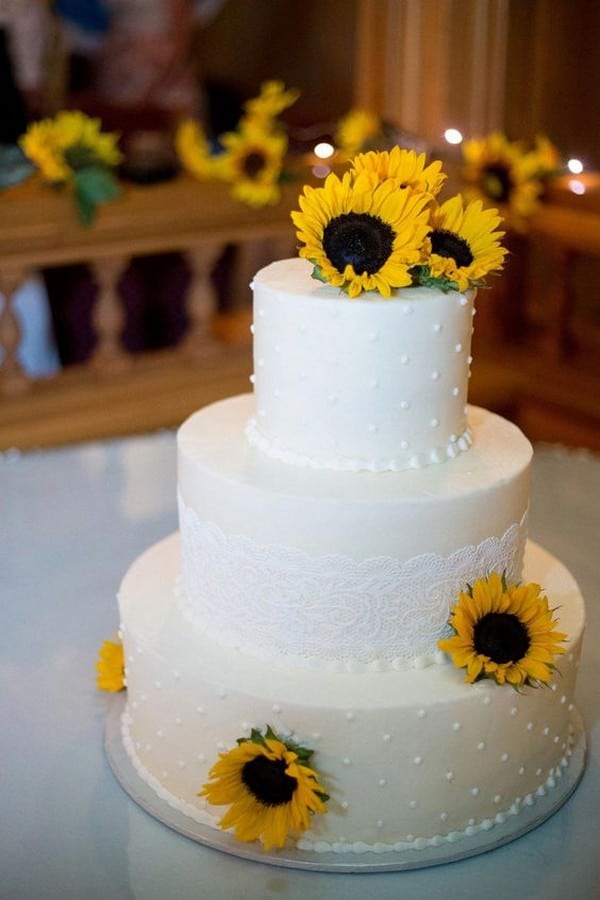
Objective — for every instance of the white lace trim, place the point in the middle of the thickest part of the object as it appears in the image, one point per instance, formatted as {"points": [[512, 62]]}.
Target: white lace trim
{"points": [[276, 450], [275, 601]]}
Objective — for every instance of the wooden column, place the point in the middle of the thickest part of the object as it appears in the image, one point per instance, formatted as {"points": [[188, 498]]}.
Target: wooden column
{"points": [[109, 356], [201, 300], [13, 378]]}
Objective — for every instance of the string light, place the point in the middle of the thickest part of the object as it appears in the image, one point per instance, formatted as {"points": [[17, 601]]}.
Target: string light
{"points": [[453, 136], [575, 166], [324, 150]]}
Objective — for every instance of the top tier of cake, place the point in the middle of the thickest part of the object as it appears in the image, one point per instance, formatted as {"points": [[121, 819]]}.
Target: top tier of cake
{"points": [[369, 383]]}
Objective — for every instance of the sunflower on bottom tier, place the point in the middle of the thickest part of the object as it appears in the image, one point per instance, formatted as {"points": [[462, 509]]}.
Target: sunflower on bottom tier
{"points": [[268, 788]]}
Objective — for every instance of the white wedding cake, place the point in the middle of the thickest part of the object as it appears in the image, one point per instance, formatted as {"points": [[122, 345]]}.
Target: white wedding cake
{"points": [[329, 524]]}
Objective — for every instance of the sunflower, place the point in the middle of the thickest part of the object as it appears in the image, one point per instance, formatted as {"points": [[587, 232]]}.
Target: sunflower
{"points": [[405, 166], [272, 100], [356, 130], [502, 172], [465, 246], [547, 157], [111, 667], [268, 788], [362, 235], [504, 631], [193, 149], [68, 142], [252, 163]]}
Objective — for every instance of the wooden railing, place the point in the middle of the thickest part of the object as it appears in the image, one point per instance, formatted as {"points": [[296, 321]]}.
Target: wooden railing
{"points": [[39, 228]]}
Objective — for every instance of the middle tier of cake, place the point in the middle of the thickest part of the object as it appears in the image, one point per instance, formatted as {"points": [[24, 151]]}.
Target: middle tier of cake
{"points": [[337, 569]]}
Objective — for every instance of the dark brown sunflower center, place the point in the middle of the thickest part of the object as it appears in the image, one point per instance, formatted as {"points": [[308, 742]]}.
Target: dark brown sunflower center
{"points": [[358, 239], [502, 637], [266, 779], [497, 183], [254, 163], [451, 246]]}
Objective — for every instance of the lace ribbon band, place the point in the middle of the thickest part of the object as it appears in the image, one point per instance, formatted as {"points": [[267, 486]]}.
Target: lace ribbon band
{"points": [[276, 601]]}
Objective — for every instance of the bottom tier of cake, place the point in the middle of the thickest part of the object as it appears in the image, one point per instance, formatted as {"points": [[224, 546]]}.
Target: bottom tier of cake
{"points": [[410, 759]]}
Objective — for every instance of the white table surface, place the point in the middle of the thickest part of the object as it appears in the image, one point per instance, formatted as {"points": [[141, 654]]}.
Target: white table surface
{"points": [[71, 521]]}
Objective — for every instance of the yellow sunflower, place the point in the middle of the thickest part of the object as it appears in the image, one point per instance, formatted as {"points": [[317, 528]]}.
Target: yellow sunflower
{"points": [[111, 667], [356, 130], [502, 172], [504, 631], [69, 141], [547, 157], [406, 167], [272, 100], [268, 788], [465, 245], [252, 163], [362, 235], [193, 149]]}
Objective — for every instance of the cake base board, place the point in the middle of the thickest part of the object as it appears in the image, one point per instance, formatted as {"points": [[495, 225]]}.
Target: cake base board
{"points": [[391, 861]]}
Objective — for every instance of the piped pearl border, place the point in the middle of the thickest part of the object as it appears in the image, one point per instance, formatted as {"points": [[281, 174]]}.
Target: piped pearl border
{"points": [[275, 450]]}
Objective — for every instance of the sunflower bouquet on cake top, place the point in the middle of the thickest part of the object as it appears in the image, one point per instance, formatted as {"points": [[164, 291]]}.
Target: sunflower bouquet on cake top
{"points": [[251, 158], [71, 152], [380, 227]]}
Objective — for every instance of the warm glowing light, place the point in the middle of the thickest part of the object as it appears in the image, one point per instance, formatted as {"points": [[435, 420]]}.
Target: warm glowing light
{"points": [[453, 136], [575, 166], [324, 150], [576, 186]]}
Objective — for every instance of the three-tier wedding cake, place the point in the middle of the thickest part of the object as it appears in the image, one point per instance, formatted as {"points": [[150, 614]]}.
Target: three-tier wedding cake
{"points": [[350, 647]]}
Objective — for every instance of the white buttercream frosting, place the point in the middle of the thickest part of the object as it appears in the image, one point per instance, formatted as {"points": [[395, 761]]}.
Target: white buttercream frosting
{"points": [[369, 383], [341, 569], [408, 757]]}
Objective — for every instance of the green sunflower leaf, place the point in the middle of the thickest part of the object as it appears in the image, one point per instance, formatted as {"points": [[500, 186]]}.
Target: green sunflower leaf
{"points": [[422, 277], [93, 185], [317, 274]]}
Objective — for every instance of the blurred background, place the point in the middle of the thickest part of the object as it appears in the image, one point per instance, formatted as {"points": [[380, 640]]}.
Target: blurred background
{"points": [[129, 322]]}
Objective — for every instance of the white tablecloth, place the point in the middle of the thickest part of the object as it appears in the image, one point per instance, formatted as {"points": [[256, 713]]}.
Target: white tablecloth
{"points": [[71, 521]]}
